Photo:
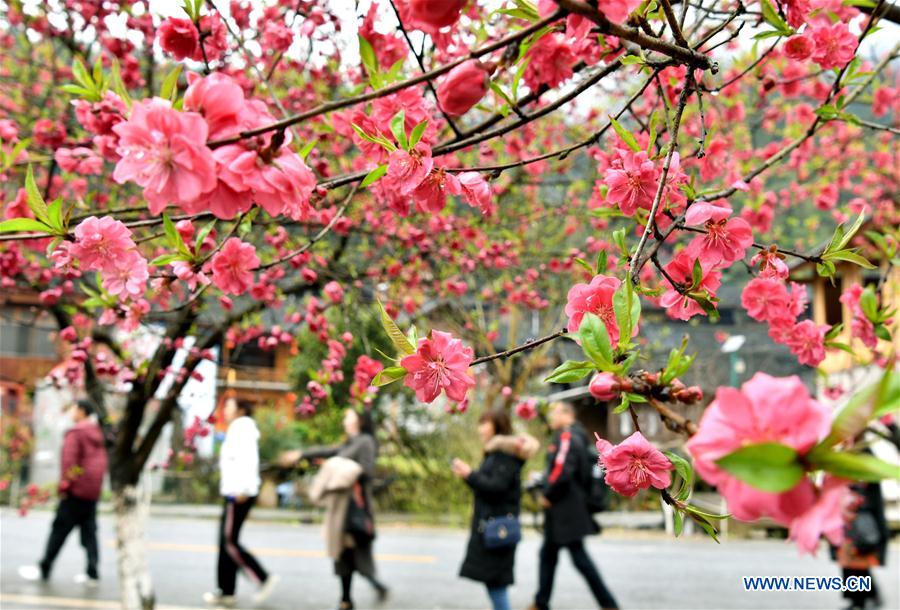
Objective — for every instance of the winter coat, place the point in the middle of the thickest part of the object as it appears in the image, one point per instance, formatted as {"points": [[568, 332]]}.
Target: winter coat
{"points": [[568, 519], [498, 492], [363, 450], [857, 553], [83, 461], [331, 490], [239, 459]]}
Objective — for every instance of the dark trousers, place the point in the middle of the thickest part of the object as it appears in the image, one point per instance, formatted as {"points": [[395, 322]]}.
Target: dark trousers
{"points": [[549, 557], [231, 554], [71, 512], [858, 598]]}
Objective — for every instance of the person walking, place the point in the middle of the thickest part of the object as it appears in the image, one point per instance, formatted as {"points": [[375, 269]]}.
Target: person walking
{"points": [[497, 489], [239, 486], [82, 470], [567, 518], [349, 519], [866, 535]]}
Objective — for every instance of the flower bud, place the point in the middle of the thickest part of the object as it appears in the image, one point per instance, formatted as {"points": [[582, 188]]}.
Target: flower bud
{"points": [[604, 386], [434, 14], [178, 37], [463, 87]]}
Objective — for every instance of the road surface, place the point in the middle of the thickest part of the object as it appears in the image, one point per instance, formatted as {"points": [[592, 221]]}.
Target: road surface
{"points": [[644, 570]]}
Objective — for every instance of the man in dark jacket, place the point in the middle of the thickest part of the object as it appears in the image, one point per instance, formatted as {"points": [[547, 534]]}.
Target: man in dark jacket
{"points": [[82, 471], [567, 519]]}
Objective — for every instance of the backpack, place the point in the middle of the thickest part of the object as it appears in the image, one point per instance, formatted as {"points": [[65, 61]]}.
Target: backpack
{"points": [[597, 491]]}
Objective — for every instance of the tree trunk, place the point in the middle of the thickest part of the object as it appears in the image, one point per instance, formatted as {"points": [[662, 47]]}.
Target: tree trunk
{"points": [[132, 505]]}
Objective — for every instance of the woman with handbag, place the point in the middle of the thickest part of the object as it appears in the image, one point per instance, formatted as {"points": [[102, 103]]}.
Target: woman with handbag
{"points": [[351, 527], [496, 484]]}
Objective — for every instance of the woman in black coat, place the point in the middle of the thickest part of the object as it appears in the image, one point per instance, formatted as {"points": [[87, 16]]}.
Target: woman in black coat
{"points": [[866, 537], [498, 493]]}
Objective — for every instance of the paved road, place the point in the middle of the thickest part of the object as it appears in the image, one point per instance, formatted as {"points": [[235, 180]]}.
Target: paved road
{"points": [[644, 570]]}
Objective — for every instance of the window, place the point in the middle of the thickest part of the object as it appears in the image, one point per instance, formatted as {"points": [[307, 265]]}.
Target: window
{"points": [[250, 354], [833, 306], [26, 333]]}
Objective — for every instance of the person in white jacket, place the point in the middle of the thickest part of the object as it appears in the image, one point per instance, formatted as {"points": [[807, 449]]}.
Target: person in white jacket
{"points": [[239, 485]]}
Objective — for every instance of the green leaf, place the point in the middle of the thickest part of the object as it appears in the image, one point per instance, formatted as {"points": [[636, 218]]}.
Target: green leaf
{"points": [[15, 225], [868, 302], [851, 232], [774, 19], [696, 273], [81, 75], [584, 264], [854, 466], [850, 256], [398, 128], [201, 236], [602, 262], [307, 148], [404, 347], [630, 60], [625, 135], [417, 132], [770, 467], [173, 236], [117, 83], [679, 522], [623, 406], [54, 215], [165, 259], [169, 90], [627, 308], [35, 199], [595, 342], [570, 370], [707, 526], [368, 56], [373, 175], [389, 375]]}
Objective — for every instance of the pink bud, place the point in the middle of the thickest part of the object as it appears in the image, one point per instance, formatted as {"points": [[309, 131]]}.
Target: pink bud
{"points": [[463, 87], [604, 386], [434, 14]]}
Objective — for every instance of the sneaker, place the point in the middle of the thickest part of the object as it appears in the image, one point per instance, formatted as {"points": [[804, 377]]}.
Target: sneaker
{"points": [[217, 599], [33, 573], [265, 590], [88, 581]]}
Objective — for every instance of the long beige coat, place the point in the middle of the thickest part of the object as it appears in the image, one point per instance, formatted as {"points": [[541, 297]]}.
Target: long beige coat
{"points": [[331, 490]]}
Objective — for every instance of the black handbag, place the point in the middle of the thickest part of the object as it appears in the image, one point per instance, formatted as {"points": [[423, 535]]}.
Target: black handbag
{"points": [[501, 532], [359, 522]]}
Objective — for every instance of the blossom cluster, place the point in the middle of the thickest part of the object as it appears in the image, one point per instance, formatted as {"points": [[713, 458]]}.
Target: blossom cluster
{"points": [[166, 152], [770, 409], [768, 299]]}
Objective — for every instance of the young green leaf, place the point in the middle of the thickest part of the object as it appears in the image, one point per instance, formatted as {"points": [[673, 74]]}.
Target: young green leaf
{"points": [[625, 135], [373, 175], [770, 467], [389, 375], [570, 370], [404, 347]]}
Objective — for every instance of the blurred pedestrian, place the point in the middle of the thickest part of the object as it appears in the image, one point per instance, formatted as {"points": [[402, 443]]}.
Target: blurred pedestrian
{"points": [[83, 466], [567, 516], [496, 484], [866, 535], [239, 486], [349, 520]]}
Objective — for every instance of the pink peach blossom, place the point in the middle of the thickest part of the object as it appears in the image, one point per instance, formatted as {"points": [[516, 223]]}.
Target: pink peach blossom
{"points": [[633, 465], [632, 180], [232, 266], [439, 363], [765, 409], [595, 298], [165, 152], [824, 518]]}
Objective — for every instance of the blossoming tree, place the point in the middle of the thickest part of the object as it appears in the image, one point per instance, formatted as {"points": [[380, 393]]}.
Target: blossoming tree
{"points": [[191, 171]]}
